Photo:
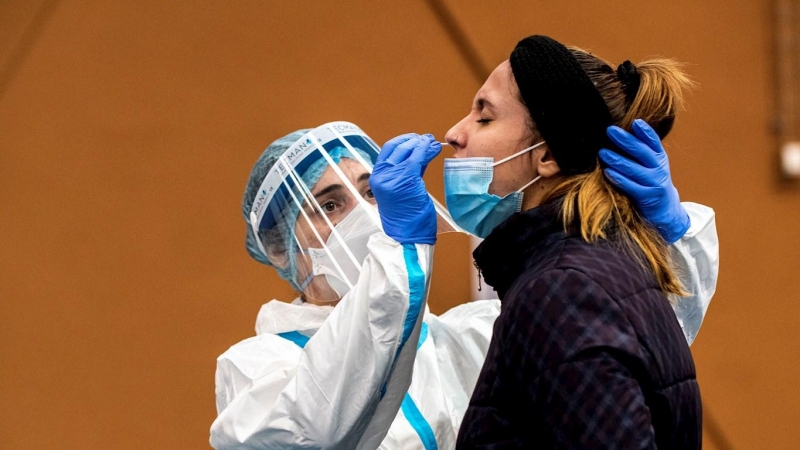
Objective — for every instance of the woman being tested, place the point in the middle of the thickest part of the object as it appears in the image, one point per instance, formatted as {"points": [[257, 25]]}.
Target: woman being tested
{"points": [[316, 376], [586, 352]]}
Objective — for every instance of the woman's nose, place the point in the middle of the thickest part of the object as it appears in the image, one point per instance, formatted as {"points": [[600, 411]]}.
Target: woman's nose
{"points": [[455, 136]]}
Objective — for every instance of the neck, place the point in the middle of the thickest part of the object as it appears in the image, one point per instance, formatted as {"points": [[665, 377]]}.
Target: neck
{"points": [[319, 293], [316, 302], [537, 192]]}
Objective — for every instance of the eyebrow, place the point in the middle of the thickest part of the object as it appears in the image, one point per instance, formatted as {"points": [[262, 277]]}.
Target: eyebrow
{"points": [[482, 102], [337, 187], [328, 190]]}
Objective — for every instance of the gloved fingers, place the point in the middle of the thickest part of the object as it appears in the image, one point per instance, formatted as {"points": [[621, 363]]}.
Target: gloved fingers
{"points": [[629, 187], [411, 154], [425, 166], [648, 135], [628, 168], [390, 145], [422, 170], [427, 149], [404, 150], [433, 151], [632, 146]]}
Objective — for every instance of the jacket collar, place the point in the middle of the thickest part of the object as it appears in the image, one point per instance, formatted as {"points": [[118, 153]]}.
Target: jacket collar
{"points": [[502, 256]]}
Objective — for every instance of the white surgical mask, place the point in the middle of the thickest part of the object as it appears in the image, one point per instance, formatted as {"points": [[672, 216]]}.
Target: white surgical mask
{"points": [[341, 263]]}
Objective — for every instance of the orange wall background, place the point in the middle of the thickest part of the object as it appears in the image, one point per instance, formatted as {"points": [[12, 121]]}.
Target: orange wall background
{"points": [[128, 130]]}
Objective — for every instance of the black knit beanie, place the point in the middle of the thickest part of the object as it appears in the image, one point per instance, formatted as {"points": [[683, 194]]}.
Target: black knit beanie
{"points": [[568, 110]]}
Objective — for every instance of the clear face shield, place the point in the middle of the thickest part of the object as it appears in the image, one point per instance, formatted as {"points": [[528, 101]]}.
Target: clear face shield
{"points": [[314, 212]]}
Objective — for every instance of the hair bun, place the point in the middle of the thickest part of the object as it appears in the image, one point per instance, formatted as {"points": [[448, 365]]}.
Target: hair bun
{"points": [[630, 78]]}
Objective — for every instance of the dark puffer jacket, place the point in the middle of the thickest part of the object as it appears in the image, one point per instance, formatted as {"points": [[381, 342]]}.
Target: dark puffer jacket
{"points": [[586, 352]]}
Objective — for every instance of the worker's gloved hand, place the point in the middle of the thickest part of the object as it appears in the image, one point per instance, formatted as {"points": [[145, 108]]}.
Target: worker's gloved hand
{"points": [[645, 178], [406, 209]]}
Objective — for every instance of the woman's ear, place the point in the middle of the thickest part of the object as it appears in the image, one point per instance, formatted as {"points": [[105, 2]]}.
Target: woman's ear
{"points": [[545, 163]]}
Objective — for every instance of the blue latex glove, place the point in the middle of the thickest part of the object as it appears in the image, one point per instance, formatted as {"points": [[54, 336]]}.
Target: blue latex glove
{"points": [[406, 210], [645, 178]]}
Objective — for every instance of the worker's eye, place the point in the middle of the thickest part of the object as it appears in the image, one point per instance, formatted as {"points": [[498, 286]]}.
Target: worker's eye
{"points": [[328, 206]]}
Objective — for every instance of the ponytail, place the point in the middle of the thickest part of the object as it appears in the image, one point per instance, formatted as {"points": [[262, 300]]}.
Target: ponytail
{"points": [[661, 84], [591, 204]]}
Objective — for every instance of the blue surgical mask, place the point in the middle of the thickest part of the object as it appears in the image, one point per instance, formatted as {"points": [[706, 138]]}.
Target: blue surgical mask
{"points": [[466, 193]]}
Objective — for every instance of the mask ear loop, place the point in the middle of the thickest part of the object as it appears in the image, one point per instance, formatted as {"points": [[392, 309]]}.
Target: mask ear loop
{"points": [[306, 282], [529, 184], [509, 158]]}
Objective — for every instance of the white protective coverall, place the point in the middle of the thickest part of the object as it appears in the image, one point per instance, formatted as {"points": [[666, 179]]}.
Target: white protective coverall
{"points": [[280, 389]]}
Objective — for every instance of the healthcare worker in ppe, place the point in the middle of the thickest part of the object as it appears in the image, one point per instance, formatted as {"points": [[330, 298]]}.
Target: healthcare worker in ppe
{"points": [[263, 397], [319, 377]]}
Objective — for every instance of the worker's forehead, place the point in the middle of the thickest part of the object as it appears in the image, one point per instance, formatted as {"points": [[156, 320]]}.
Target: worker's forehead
{"points": [[352, 169]]}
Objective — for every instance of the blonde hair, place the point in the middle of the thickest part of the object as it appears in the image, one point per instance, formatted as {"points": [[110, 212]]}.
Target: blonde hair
{"points": [[592, 206]]}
